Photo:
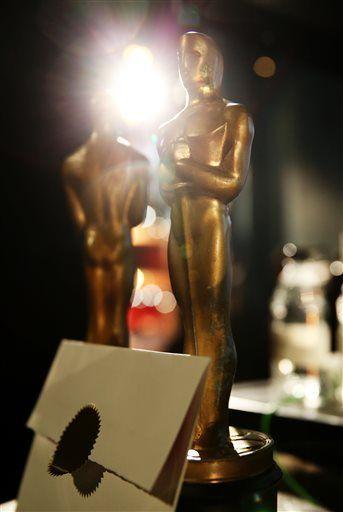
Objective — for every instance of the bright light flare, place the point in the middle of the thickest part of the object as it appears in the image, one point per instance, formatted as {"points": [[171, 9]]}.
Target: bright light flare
{"points": [[140, 91], [138, 56]]}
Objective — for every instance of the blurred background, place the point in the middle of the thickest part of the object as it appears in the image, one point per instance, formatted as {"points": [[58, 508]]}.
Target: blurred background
{"points": [[282, 60]]}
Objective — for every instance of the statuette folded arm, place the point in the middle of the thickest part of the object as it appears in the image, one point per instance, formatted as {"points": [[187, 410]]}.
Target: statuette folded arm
{"points": [[226, 180]]}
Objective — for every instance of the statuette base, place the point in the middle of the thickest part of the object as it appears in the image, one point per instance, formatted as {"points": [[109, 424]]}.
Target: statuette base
{"points": [[249, 453]]}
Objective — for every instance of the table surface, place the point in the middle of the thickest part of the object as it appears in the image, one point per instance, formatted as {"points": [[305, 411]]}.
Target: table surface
{"points": [[286, 503], [263, 397]]}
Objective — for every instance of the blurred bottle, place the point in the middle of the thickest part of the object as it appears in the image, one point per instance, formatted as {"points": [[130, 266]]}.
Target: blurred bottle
{"points": [[299, 328], [336, 269], [331, 368], [339, 312]]}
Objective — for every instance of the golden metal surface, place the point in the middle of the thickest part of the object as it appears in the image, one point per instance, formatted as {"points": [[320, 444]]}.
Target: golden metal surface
{"points": [[251, 454], [205, 154], [106, 184]]}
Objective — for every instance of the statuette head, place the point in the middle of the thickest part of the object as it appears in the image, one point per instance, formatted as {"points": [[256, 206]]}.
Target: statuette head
{"points": [[200, 62]]}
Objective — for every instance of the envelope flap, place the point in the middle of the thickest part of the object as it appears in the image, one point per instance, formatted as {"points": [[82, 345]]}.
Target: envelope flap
{"points": [[142, 398]]}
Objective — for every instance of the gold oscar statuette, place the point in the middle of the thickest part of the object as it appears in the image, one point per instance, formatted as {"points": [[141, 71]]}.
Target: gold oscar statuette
{"points": [[106, 184], [205, 154]]}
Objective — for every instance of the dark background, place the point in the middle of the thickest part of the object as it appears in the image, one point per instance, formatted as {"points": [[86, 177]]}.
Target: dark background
{"points": [[293, 195]]}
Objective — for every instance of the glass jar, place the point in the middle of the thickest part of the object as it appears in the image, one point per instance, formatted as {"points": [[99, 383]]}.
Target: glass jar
{"points": [[299, 327]]}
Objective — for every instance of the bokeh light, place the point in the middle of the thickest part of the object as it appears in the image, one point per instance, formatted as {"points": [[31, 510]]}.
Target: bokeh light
{"points": [[264, 67], [289, 250], [285, 366], [336, 268], [149, 293], [165, 302]]}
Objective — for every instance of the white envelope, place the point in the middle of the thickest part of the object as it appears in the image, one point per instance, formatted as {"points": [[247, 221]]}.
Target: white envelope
{"points": [[147, 403]]}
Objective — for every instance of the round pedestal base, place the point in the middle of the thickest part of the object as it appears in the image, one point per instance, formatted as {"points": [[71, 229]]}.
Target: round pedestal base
{"points": [[249, 453], [252, 494]]}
